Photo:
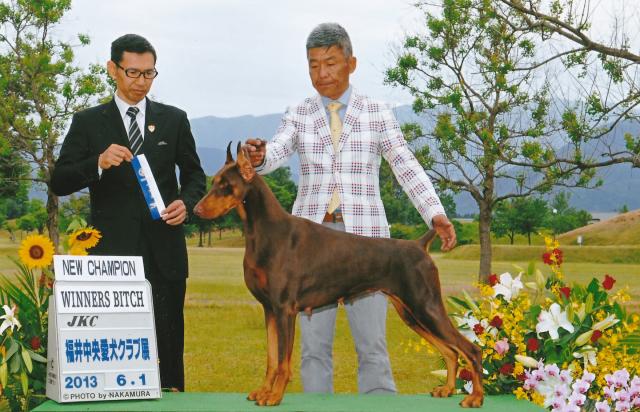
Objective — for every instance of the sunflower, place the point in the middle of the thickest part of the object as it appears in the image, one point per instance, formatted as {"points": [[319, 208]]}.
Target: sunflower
{"points": [[78, 251], [85, 238], [36, 251]]}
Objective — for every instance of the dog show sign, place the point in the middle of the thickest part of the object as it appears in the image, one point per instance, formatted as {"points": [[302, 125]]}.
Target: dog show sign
{"points": [[102, 340]]}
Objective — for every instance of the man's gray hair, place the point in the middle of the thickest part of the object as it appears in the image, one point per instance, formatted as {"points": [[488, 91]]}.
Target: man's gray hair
{"points": [[330, 34]]}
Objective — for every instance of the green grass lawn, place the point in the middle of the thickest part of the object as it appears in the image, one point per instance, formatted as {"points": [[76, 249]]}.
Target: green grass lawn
{"points": [[225, 336], [226, 340]]}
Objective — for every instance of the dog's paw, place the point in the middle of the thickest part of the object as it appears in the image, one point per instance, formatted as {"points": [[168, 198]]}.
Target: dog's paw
{"points": [[472, 401], [273, 399], [442, 391]]}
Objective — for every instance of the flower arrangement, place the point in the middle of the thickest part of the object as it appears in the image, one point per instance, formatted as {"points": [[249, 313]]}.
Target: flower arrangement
{"points": [[25, 301], [555, 344]]}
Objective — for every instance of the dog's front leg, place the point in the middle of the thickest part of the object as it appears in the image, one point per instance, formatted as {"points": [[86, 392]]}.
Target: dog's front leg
{"points": [[285, 327], [263, 391]]}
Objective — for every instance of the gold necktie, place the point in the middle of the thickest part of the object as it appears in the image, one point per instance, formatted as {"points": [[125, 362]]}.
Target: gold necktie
{"points": [[335, 125]]}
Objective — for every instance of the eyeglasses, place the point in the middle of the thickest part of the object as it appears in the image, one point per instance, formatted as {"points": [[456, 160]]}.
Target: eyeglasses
{"points": [[135, 73]]}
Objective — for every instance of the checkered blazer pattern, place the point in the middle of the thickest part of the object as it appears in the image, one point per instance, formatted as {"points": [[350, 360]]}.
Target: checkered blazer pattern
{"points": [[370, 130]]}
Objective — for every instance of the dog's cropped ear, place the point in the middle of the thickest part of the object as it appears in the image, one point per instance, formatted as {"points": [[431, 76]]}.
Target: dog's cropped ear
{"points": [[229, 158], [244, 165]]}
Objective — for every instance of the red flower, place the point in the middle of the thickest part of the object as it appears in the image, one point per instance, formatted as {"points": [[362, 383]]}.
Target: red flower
{"points": [[553, 258], [35, 343], [533, 344], [608, 282], [596, 335], [522, 377], [496, 322], [565, 291], [465, 375], [506, 369], [478, 329], [493, 279]]}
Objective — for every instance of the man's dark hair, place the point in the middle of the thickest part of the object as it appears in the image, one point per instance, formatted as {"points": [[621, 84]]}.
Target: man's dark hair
{"points": [[132, 43]]}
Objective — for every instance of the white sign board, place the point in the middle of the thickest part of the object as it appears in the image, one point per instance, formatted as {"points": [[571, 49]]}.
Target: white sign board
{"points": [[102, 341]]}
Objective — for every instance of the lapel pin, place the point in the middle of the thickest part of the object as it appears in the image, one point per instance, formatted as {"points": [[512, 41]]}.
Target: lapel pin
{"points": [[152, 128]]}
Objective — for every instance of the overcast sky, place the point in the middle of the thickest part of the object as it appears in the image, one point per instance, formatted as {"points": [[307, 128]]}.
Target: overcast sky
{"points": [[234, 57]]}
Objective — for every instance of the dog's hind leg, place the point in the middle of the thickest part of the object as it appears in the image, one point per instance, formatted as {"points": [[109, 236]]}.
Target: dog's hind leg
{"points": [[435, 319], [285, 346], [450, 356], [272, 358]]}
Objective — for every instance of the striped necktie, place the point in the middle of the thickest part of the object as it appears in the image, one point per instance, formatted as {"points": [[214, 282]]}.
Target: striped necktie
{"points": [[335, 125], [135, 135]]}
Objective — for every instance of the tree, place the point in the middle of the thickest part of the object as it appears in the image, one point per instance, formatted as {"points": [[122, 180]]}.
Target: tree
{"points": [[76, 206], [564, 218], [14, 171], [36, 217], [478, 76], [40, 87], [531, 214], [15, 206], [282, 186], [503, 222]]}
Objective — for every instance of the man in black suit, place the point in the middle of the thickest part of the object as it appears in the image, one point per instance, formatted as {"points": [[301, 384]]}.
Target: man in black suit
{"points": [[96, 153]]}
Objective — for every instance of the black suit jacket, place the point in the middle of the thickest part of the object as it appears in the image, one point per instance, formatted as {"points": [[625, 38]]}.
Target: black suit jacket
{"points": [[118, 208]]}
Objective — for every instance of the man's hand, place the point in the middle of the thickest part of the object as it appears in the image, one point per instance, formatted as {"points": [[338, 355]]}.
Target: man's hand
{"points": [[257, 149], [113, 156], [175, 213], [444, 228]]}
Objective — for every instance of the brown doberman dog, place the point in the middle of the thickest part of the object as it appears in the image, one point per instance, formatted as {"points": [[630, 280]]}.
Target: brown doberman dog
{"points": [[292, 264]]}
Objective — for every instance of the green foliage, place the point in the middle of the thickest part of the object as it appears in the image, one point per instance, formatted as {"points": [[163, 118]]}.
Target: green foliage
{"points": [[282, 186], [40, 88], [76, 206], [563, 217], [23, 359], [36, 217], [520, 215]]}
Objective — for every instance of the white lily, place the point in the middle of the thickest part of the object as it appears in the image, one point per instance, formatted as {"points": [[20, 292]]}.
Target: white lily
{"points": [[466, 325], [552, 320], [588, 355], [508, 287], [10, 321]]}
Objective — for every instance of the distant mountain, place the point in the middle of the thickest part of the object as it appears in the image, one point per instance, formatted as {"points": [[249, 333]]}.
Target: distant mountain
{"points": [[620, 181], [212, 134]]}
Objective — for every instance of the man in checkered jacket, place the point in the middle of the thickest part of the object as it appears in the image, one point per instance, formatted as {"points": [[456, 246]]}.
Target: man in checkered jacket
{"points": [[340, 136]]}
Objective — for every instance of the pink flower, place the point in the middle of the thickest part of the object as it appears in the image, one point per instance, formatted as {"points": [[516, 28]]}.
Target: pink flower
{"points": [[577, 399], [501, 346], [603, 406]]}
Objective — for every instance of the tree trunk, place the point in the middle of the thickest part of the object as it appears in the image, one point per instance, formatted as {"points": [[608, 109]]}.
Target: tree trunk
{"points": [[512, 236], [200, 244], [484, 229], [529, 238], [52, 218], [209, 238]]}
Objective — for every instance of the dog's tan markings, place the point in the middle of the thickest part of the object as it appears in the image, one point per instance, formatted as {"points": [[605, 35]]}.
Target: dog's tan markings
{"points": [[261, 277], [263, 392]]}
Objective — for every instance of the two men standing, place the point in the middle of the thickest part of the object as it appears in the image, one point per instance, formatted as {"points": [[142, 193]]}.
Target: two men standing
{"points": [[340, 135]]}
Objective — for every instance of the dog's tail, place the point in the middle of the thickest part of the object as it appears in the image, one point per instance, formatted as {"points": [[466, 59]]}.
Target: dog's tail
{"points": [[426, 239]]}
